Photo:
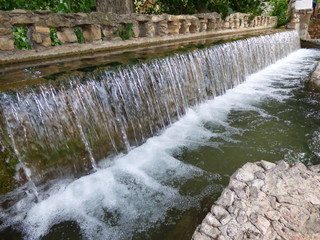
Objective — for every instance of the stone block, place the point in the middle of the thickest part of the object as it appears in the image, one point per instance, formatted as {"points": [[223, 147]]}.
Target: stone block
{"points": [[5, 31], [4, 17], [46, 41], [91, 33], [40, 29], [58, 21], [209, 230], [66, 35], [226, 199], [22, 20], [19, 11], [6, 44], [243, 176], [36, 37]]}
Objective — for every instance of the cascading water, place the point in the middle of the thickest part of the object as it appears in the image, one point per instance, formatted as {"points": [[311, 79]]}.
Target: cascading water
{"points": [[130, 195], [115, 110]]}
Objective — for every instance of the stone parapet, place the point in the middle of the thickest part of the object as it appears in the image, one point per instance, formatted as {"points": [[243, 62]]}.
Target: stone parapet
{"points": [[99, 26], [268, 201], [299, 20]]}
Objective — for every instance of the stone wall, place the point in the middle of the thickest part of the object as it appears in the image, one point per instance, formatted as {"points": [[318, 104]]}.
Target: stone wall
{"points": [[267, 201], [99, 26]]}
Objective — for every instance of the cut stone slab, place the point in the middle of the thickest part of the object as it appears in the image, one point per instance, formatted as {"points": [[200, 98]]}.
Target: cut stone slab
{"points": [[284, 205]]}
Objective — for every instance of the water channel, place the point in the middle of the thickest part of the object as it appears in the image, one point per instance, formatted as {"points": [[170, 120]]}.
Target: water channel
{"points": [[163, 188]]}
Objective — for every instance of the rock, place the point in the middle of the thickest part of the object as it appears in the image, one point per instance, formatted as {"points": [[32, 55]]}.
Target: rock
{"points": [[209, 230], [243, 175], [226, 199], [91, 33], [314, 81], [59, 21], [261, 223], [4, 17], [273, 215], [258, 183], [41, 29], [200, 236], [66, 35], [267, 165], [5, 31], [219, 211], [268, 201], [212, 220], [6, 44], [315, 168]]}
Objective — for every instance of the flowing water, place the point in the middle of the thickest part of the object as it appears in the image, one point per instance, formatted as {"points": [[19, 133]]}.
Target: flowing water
{"points": [[163, 188]]}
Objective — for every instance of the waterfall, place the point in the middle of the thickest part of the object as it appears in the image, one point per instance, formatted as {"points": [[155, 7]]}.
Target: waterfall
{"points": [[76, 124]]}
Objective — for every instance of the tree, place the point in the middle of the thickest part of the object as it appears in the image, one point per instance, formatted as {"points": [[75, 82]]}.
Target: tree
{"points": [[115, 6]]}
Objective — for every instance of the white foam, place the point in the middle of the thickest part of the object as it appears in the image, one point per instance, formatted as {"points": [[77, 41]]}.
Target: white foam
{"points": [[136, 190]]}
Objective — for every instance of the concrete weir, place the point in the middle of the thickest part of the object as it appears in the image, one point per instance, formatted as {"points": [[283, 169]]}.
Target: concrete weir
{"points": [[268, 201]]}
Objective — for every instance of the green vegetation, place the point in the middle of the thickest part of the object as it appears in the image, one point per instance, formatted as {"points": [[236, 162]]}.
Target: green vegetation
{"points": [[58, 6], [20, 38], [280, 10], [224, 7], [54, 38], [125, 33], [161, 6], [79, 34]]}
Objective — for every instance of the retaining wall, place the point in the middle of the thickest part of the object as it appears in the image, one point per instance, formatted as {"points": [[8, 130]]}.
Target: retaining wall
{"points": [[99, 26]]}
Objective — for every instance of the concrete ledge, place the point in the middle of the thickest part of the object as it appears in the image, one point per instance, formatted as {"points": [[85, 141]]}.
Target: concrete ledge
{"points": [[11, 57], [268, 201]]}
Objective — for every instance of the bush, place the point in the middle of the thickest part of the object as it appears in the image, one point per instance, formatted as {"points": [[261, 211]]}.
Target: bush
{"points": [[59, 6], [280, 8], [20, 38]]}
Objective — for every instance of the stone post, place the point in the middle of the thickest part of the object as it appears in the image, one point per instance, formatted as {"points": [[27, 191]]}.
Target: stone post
{"points": [[195, 26], [174, 27], [211, 24], [185, 26]]}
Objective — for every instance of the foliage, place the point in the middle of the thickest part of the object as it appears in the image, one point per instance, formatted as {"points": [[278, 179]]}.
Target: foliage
{"points": [[79, 34], [59, 6], [255, 7], [54, 38], [224, 7], [141, 7], [20, 38], [125, 33], [280, 10]]}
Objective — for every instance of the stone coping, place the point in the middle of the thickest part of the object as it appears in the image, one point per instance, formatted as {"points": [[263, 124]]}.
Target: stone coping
{"points": [[267, 201], [13, 57]]}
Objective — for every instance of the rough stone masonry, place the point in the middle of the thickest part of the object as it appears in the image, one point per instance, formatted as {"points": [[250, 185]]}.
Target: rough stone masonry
{"points": [[266, 201]]}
